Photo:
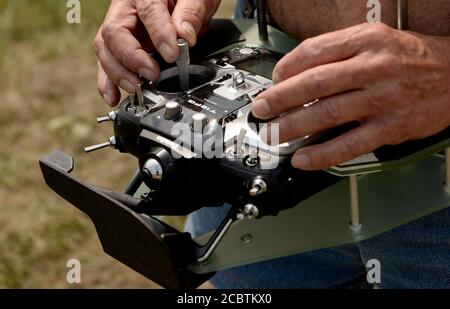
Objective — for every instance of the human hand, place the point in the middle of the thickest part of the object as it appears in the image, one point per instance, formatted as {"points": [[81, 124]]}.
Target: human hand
{"points": [[395, 84], [134, 28]]}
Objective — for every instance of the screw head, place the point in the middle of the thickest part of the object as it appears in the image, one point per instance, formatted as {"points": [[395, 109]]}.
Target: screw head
{"points": [[246, 239], [251, 211], [153, 169]]}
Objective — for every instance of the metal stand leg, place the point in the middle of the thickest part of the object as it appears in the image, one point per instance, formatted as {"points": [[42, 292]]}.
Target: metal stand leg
{"points": [[262, 20], [402, 14], [447, 170], [355, 225]]}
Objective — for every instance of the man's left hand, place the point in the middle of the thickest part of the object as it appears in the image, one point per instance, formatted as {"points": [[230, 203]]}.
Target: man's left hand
{"points": [[396, 84]]}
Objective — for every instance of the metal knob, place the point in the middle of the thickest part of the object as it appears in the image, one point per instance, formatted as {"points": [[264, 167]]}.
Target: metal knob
{"points": [[199, 121], [246, 51], [132, 99], [153, 169], [111, 143], [250, 211], [259, 186], [238, 80], [183, 62], [139, 95], [111, 117], [173, 109]]}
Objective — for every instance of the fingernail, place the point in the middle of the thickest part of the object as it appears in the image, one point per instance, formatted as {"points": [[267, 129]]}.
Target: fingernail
{"points": [[301, 161], [126, 85], [107, 99], [147, 73], [190, 31], [261, 108], [167, 52], [275, 78]]}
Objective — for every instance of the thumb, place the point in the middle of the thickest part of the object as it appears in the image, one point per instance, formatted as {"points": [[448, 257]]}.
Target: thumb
{"points": [[189, 16]]}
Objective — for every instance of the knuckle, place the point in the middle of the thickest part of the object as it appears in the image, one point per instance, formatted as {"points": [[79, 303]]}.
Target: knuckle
{"points": [[289, 125], [306, 45], [193, 14], [108, 31], [355, 40], [397, 93], [100, 88], [320, 159], [150, 8], [276, 92], [384, 63], [211, 7], [390, 97], [385, 128], [275, 96], [361, 27], [281, 70], [318, 84], [305, 50], [111, 72], [96, 45], [329, 113], [377, 30], [151, 13], [351, 148], [376, 103], [127, 55], [100, 83]]}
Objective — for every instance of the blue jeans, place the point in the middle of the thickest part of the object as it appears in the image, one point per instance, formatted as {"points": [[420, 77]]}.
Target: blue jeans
{"points": [[245, 9], [416, 255]]}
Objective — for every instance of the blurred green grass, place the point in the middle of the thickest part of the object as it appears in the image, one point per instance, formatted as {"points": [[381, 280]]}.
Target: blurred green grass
{"points": [[49, 101], [29, 20], [26, 18]]}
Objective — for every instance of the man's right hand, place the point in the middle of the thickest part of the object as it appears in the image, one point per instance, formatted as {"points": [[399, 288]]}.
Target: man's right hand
{"points": [[134, 28]]}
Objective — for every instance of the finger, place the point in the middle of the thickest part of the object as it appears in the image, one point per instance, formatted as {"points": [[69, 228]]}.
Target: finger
{"points": [[127, 49], [346, 147], [157, 20], [116, 72], [323, 49], [189, 16], [109, 92], [326, 113], [319, 82]]}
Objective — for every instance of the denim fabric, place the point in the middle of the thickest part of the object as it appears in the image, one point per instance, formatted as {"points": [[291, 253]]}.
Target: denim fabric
{"points": [[416, 255], [245, 9]]}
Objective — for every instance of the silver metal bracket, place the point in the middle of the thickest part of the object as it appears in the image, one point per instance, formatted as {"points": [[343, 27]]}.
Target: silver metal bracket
{"points": [[355, 224]]}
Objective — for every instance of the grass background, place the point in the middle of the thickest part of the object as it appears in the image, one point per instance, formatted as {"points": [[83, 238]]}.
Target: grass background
{"points": [[49, 101]]}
